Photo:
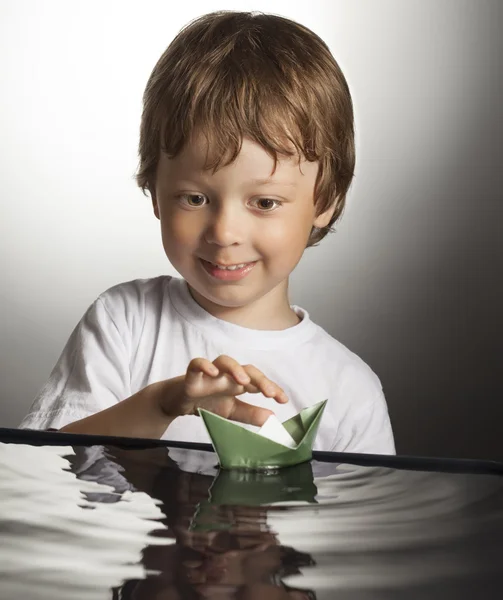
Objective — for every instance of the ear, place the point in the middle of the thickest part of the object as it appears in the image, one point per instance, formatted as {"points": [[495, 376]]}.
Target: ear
{"points": [[324, 219], [155, 206]]}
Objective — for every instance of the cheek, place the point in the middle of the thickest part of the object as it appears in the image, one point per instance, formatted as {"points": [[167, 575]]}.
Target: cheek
{"points": [[177, 232], [288, 235]]}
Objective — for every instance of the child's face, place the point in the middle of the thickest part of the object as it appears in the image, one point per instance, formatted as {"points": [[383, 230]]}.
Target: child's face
{"points": [[227, 218]]}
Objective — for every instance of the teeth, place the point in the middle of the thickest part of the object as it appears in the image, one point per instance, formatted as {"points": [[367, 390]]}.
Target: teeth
{"points": [[233, 268]]}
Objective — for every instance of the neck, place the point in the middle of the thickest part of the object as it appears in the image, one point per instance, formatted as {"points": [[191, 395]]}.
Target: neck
{"points": [[265, 314]]}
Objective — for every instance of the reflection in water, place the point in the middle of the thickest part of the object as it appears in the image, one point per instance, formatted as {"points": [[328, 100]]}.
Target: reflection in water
{"points": [[222, 550], [323, 531], [317, 530], [55, 541], [385, 529]]}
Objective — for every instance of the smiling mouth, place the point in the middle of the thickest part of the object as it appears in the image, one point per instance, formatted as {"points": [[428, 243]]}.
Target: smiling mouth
{"points": [[237, 273], [229, 267]]}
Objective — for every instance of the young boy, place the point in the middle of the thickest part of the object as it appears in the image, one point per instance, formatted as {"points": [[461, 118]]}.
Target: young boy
{"points": [[247, 150]]}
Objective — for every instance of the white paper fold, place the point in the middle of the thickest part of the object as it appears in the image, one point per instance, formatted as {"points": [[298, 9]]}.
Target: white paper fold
{"points": [[273, 429]]}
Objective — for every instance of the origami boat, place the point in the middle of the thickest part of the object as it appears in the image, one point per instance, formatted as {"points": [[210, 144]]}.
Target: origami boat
{"points": [[239, 448]]}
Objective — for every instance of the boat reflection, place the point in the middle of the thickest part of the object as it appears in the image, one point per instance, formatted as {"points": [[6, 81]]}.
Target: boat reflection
{"points": [[167, 524], [323, 531]]}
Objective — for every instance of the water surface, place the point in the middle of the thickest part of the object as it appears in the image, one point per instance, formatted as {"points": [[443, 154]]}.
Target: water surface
{"points": [[317, 530]]}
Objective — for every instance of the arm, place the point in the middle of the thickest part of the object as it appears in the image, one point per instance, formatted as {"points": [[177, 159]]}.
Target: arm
{"points": [[213, 386], [141, 415], [89, 390]]}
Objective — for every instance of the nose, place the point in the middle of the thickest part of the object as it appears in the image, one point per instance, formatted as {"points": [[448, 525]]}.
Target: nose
{"points": [[225, 227]]}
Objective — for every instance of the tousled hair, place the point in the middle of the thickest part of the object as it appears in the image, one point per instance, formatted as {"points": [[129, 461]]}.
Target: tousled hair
{"points": [[232, 75]]}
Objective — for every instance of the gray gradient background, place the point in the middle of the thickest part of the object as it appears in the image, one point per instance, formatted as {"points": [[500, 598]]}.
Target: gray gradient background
{"points": [[411, 281]]}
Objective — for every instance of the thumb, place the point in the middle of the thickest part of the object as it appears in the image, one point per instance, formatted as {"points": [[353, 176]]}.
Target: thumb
{"points": [[249, 414]]}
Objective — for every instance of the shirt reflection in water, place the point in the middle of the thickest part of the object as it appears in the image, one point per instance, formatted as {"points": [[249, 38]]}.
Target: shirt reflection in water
{"points": [[237, 557]]}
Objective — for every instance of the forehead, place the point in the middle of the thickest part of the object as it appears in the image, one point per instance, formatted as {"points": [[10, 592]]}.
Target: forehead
{"points": [[252, 160]]}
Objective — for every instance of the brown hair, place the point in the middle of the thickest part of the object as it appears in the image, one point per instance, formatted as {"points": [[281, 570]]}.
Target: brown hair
{"points": [[245, 74]]}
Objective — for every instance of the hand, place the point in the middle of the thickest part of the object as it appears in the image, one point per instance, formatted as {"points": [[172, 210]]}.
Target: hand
{"points": [[214, 387]]}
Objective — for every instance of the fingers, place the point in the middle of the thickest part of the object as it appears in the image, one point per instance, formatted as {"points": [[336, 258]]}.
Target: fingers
{"points": [[201, 365], [265, 385], [249, 414], [250, 377], [226, 364]]}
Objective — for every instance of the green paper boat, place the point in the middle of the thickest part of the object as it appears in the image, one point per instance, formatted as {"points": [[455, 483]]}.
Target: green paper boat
{"points": [[239, 448]]}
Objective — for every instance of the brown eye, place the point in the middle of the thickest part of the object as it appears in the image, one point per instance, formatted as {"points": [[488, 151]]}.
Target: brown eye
{"points": [[191, 197], [269, 208]]}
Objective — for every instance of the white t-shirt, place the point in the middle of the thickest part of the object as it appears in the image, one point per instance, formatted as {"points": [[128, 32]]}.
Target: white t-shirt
{"points": [[148, 330]]}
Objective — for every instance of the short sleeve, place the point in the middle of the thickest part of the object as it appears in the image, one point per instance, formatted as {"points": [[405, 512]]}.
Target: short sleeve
{"points": [[367, 429], [92, 373]]}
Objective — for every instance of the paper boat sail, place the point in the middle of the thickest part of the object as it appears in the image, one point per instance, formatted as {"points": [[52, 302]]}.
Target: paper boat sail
{"points": [[239, 448]]}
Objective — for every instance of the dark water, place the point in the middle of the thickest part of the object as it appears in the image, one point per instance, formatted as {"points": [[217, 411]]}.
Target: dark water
{"points": [[318, 530]]}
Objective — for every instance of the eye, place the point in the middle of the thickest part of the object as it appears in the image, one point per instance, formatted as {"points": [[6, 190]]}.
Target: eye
{"points": [[199, 201], [269, 200], [191, 196]]}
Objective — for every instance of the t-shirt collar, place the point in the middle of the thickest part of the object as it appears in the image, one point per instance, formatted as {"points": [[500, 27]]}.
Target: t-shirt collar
{"points": [[231, 333]]}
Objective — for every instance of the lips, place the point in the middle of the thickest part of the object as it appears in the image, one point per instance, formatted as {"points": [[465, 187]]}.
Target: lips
{"points": [[227, 275], [219, 264]]}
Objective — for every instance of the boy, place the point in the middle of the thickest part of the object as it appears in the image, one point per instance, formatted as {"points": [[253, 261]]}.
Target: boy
{"points": [[247, 150]]}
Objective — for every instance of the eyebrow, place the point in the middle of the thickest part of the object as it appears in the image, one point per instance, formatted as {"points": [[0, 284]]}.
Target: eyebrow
{"points": [[266, 181], [263, 182]]}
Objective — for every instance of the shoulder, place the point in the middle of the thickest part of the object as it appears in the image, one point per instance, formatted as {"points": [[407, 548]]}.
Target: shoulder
{"points": [[134, 293], [129, 305], [344, 365]]}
